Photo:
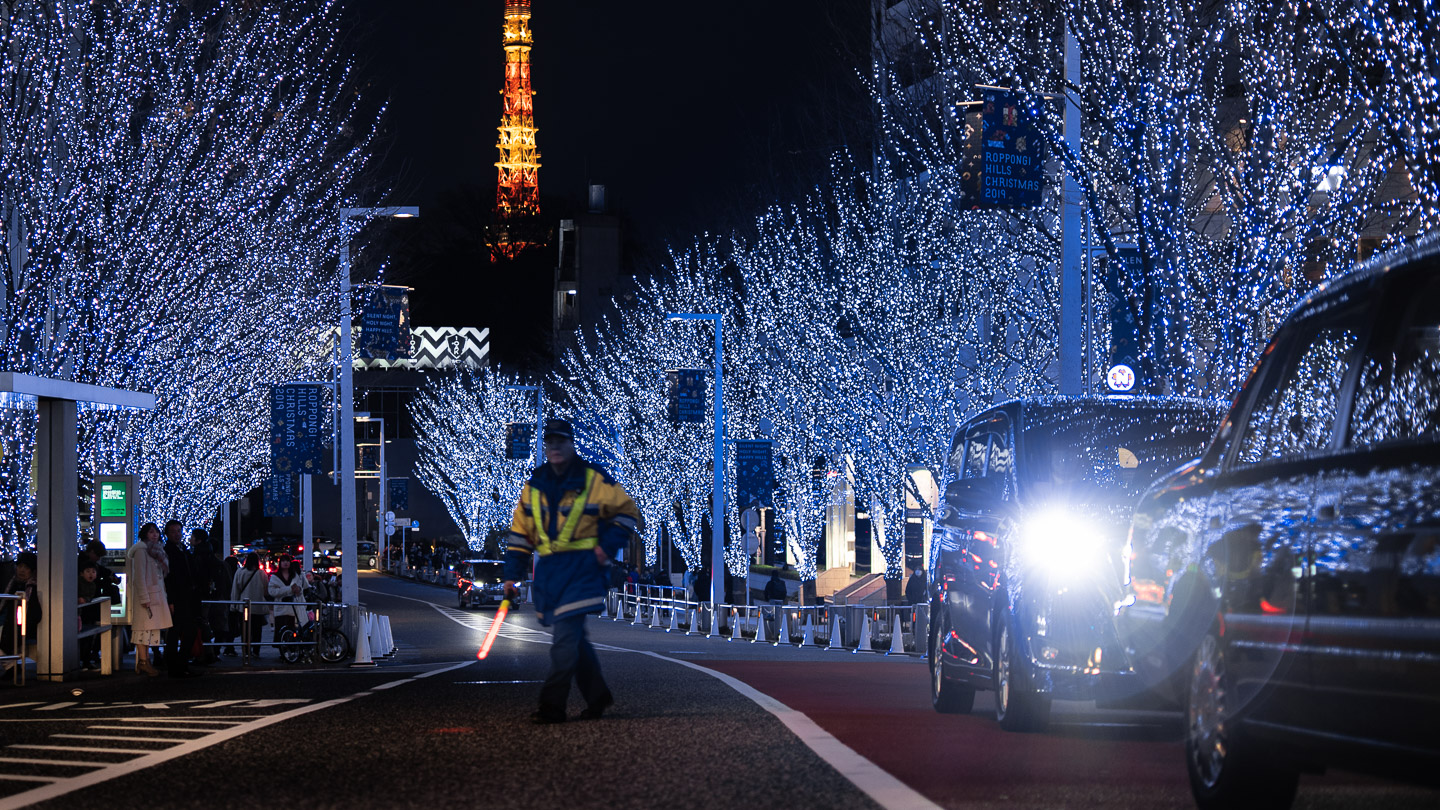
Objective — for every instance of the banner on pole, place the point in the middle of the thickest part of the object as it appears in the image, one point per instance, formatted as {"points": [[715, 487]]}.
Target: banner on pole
{"points": [[754, 478], [297, 413], [279, 494], [686, 394], [518, 439], [397, 494], [1007, 170], [385, 325]]}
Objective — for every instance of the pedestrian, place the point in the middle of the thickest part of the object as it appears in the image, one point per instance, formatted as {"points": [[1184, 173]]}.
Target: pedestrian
{"points": [[599, 520], [22, 584], [915, 588], [106, 581], [180, 586], [286, 586], [214, 585], [88, 590], [148, 564], [688, 583], [250, 583], [775, 589], [231, 565]]}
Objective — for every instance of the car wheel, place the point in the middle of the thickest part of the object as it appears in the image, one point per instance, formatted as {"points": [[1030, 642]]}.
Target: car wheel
{"points": [[1226, 769], [1018, 707], [371, 563], [946, 696]]}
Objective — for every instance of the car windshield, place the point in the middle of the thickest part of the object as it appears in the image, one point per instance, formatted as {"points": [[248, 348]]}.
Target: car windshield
{"points": [[1110, 451], [487, 572]]}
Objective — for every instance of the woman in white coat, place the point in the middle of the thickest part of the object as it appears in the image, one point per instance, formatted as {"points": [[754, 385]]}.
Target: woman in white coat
{"points": [[287, 585], [149, 606], [251, 583]]}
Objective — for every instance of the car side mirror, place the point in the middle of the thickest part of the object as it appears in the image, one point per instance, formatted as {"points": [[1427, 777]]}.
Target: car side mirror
{"points": [[973, 496]]}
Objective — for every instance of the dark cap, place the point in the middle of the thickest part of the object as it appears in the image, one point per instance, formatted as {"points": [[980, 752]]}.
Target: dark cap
{"points": [[558, 427]]}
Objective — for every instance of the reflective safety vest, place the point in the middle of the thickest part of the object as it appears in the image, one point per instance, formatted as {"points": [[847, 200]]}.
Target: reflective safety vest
{"points": [[566, 541]]}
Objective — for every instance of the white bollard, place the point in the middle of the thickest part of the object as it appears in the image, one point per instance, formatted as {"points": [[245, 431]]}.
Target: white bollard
{"points": [[864, 645], [362, 648], [605, 611], [897, 639]]}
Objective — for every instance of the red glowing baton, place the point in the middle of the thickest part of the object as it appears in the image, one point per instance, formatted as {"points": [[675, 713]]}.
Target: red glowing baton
{"points": [[494, 629]]}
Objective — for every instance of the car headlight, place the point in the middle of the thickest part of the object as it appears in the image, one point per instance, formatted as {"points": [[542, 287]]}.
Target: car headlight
{"points": [[1062, 543]]}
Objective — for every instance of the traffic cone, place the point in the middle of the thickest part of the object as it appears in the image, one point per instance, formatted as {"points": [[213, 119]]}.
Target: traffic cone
{"points": [[388, 641], [782, 636], [760, 630], [674, 620], [864, 645], [897, 639], [605, 611], [836, 641], [693, 618], [362, 649], [807, 639], [655, 623]]}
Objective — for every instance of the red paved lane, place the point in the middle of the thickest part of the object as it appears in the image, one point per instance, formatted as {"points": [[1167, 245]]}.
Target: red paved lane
{"points": [[882, 710]]}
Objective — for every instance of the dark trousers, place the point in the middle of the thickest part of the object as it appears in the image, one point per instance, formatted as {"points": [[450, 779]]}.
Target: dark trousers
{"points": [[572, 659], [257, 626], [180, 638]]}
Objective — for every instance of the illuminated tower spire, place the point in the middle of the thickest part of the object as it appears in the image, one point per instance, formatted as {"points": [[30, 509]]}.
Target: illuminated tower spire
{"points": [[518, 193]]}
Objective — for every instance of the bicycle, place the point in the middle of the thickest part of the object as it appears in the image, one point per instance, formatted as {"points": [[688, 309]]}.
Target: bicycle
{"points": [[333, 646]]}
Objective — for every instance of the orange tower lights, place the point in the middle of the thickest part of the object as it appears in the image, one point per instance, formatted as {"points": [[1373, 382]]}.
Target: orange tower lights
{"points": [[517, 195]]}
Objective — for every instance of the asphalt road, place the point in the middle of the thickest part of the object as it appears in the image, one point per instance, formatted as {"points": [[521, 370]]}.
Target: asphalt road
{"points": [[757, 727]]}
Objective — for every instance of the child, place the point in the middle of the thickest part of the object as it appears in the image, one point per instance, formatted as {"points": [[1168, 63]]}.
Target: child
{"points": [[89, 616]]}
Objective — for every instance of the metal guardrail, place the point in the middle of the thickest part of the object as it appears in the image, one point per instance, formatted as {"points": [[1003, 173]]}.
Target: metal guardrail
{"points": [[247, 642], [17, 615], [854, 628]]}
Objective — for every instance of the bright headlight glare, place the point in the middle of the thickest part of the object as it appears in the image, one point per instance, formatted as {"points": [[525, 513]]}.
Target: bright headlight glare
{"points": [[1061, 542]]}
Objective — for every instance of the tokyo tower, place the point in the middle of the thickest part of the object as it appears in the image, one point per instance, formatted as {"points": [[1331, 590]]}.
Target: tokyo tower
{"points": [[517, 195]]}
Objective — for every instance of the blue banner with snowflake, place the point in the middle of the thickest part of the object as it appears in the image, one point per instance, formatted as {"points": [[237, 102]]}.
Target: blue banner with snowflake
{"points": [[297, 442], [279, 495]]}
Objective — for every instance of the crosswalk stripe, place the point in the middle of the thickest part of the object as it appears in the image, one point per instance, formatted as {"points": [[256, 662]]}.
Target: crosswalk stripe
{"points": [[83, 748], [118, 738], [15, 777], [71, 762]]}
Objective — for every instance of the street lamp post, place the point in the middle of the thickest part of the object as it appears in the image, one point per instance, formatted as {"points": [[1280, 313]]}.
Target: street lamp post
{"points": [[345, 425], [717, 497]]}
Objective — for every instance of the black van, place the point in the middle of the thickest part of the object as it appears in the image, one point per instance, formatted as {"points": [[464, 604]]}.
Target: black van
{"points": [[1288, 582], [1026, 562]]}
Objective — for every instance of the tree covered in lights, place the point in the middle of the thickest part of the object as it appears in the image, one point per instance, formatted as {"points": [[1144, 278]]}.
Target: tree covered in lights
{"points": [[170, 179], [460, 448], [1247, 152]]}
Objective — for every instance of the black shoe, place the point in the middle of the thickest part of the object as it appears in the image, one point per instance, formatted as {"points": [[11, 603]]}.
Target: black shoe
{"points": [[544, 718], [596, 709]]}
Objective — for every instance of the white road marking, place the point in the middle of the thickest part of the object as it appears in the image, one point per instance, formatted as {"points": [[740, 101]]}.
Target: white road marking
{"points": [[8, 777], [150, 728], [54, 706], [72, 762], [83, 748], [116, 738], [151, 758], [874, 781], [22, 705]]}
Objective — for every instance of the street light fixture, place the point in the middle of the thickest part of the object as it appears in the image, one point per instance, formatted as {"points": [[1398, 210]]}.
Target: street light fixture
{"points": [[717, 498], [345, 426]]}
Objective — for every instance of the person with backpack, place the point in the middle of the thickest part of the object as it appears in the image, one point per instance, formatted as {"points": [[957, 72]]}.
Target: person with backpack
{"points": [[251, 583]]}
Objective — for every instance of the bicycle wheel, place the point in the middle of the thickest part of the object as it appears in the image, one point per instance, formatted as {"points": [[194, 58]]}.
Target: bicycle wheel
{"points": [[290, 653], [333, 646]]}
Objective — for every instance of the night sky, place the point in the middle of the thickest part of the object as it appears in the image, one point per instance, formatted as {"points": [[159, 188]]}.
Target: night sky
{"points": [[694, 115]]}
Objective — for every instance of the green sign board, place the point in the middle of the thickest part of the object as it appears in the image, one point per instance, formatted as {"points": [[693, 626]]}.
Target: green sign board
{"points": [[114, 499]]}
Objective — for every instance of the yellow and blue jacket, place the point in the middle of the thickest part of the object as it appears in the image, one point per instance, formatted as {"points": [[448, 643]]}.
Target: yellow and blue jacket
{"points": [[568, 578]]}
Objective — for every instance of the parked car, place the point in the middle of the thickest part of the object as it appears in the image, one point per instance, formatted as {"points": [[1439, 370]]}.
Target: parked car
{"points": [[1288, 582], [1025, 567], [479, 582]]}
